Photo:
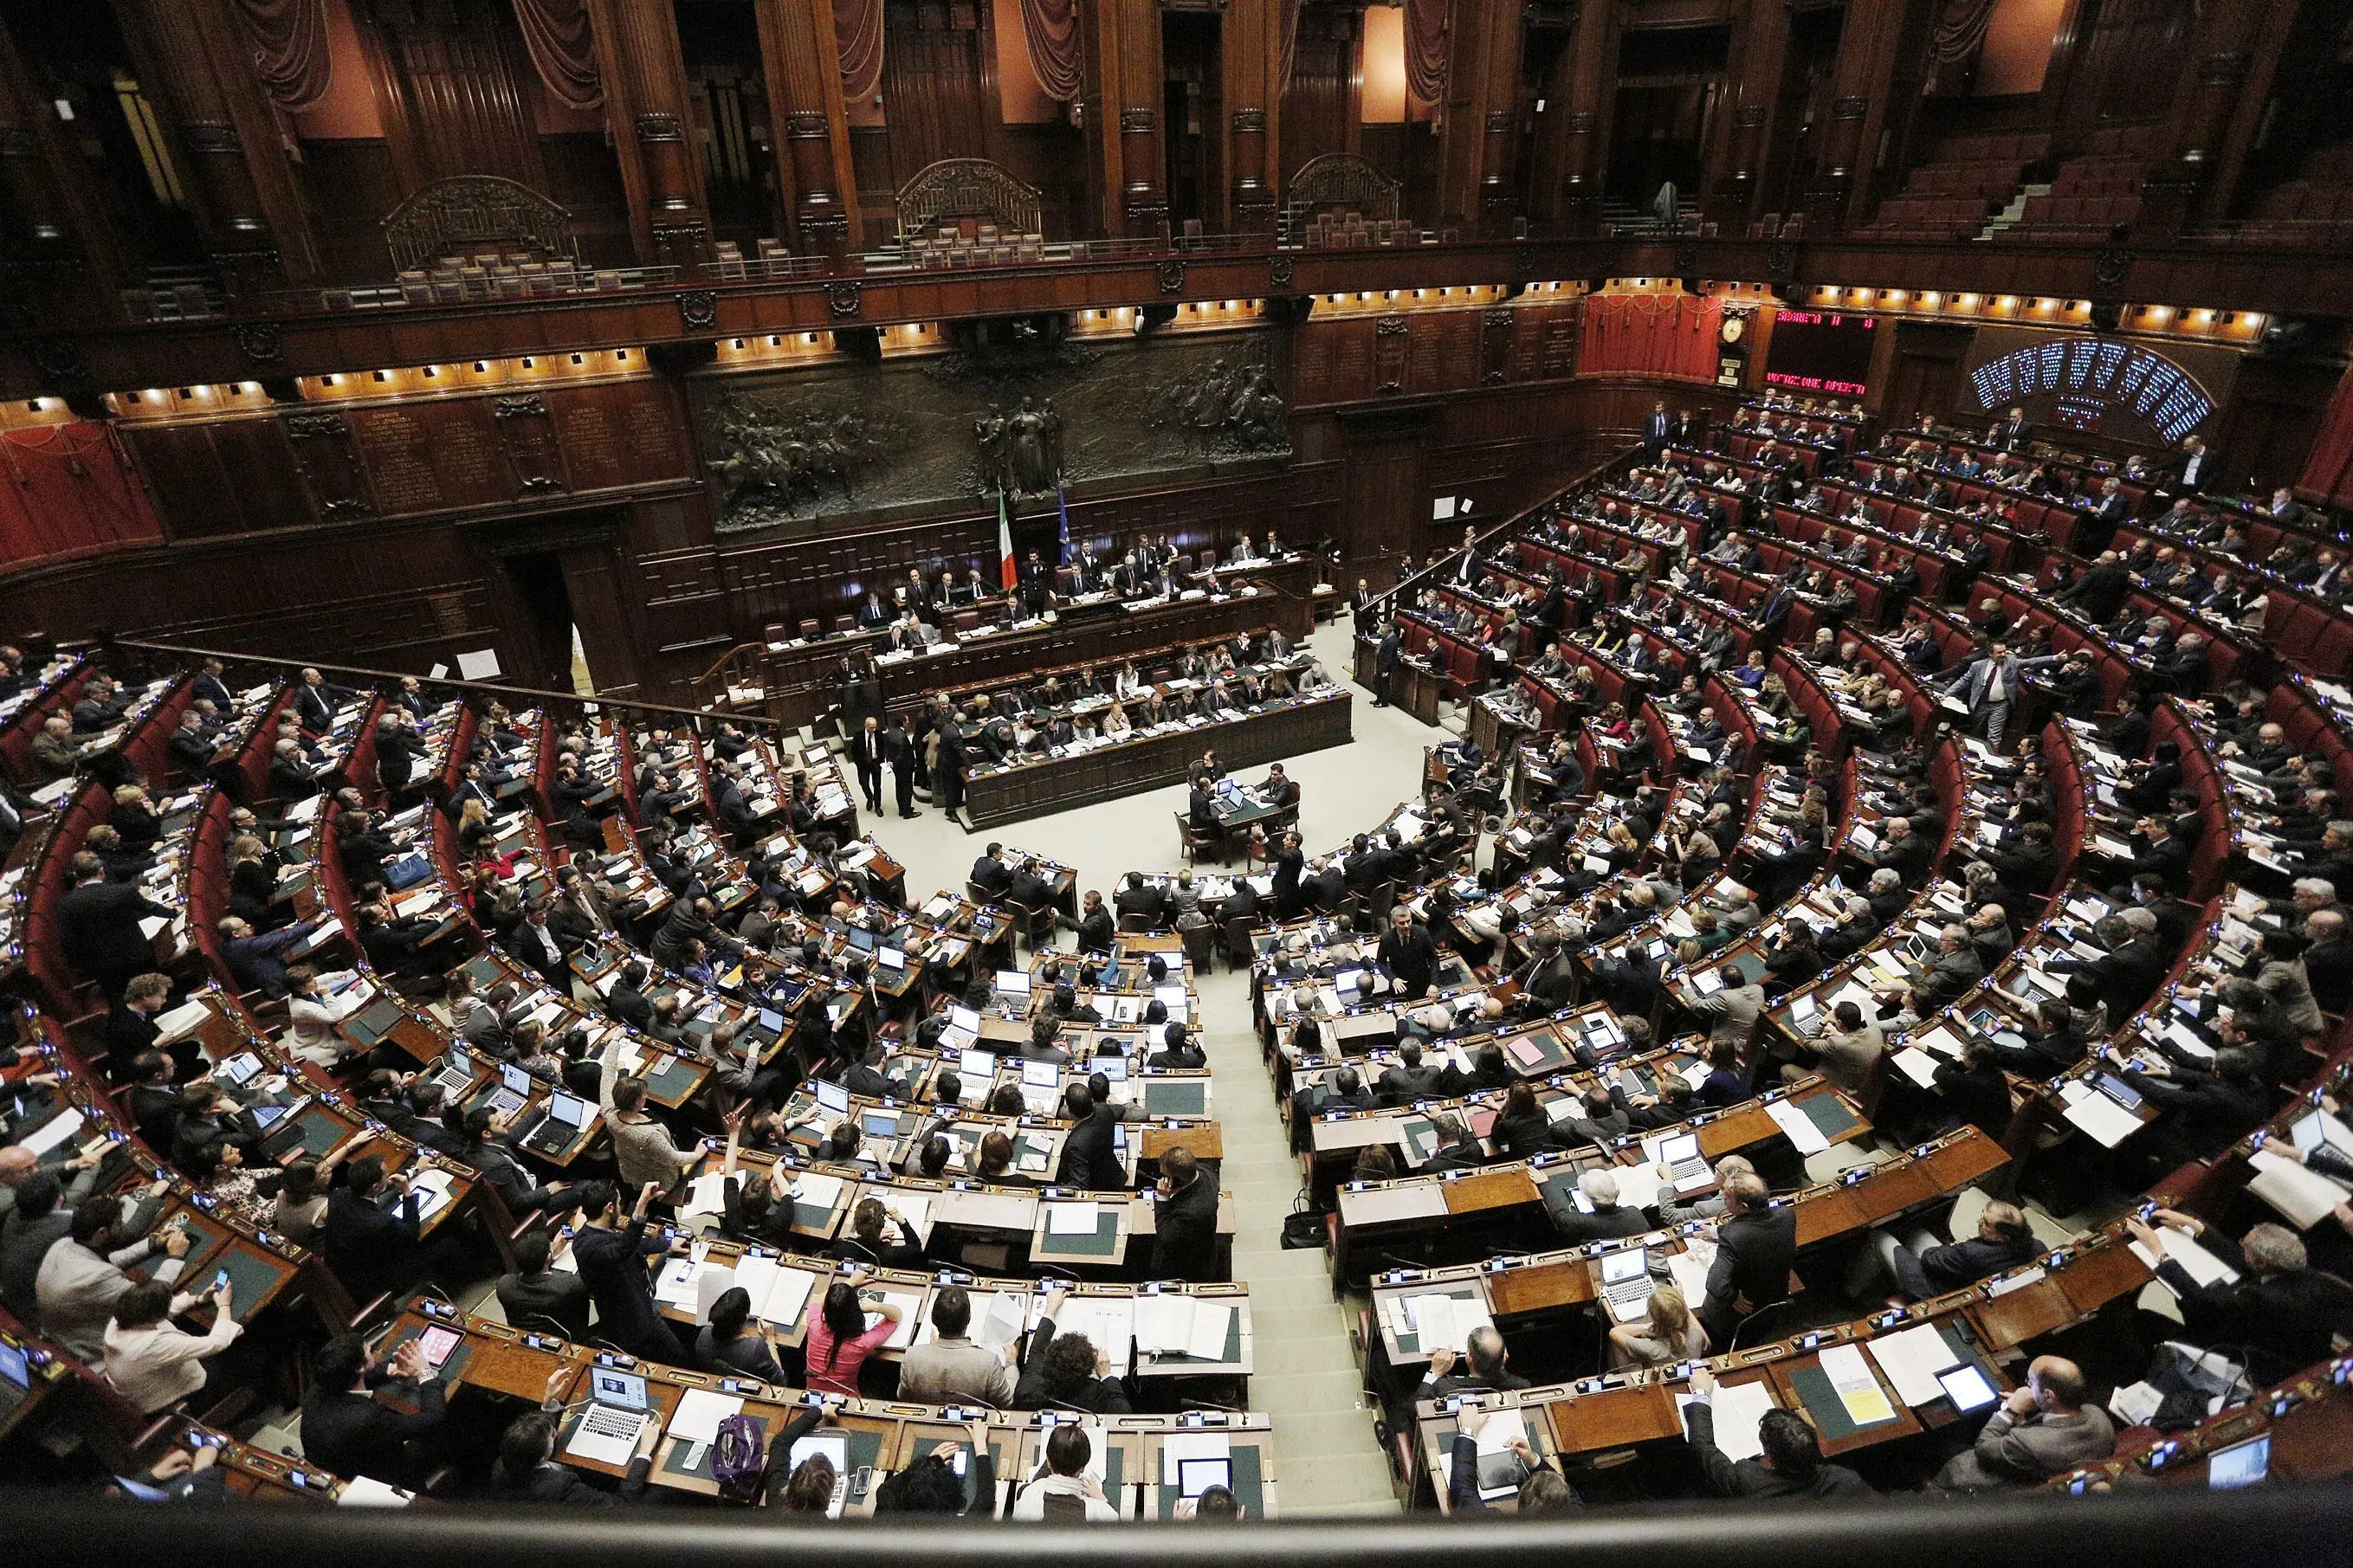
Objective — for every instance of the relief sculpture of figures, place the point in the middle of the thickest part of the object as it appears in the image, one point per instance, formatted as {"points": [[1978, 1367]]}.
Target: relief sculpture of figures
{"points": [[1225, 408], [772, 461], [1021, 452]]}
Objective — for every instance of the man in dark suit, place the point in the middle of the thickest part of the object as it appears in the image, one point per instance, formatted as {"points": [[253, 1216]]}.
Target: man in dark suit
{"points": [[865, 759], [1200, 807], [1755, 1248], [345, 1429], [989, 873], [899, 753], [535, 942], [210, 687], [1656, 430], [1139, 899], [1411, 1080], [1791, 1464], [1387, 656], [97, 926], [314, 703], [535, 1293], [2014, 434], [611, 1255], [1185, 1218], [1408, 953], [2278, 1311], [1279, 790], [1089, 1160], [372, 1248], [1607, 1220]]}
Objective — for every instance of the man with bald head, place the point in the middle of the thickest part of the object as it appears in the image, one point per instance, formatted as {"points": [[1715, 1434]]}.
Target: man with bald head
{"points": [[1487, 1370], [2047, 1427], [2328, 962], [78, 1173]]}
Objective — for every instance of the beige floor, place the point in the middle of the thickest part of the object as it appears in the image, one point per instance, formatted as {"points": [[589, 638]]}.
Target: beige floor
{"points": [[1326, 1459]]}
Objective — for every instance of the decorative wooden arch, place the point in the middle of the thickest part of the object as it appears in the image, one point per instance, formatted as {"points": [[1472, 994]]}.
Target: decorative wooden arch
{"points": [[956, 188], [466, 213], [1341, 182]]}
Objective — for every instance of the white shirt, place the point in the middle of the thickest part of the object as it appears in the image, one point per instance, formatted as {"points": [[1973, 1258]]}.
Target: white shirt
{"points": [[1031, 1503], [156, 1365]]}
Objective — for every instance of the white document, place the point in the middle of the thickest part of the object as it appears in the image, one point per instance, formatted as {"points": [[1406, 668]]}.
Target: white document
{"points": [[1917, 1064], [816, 1189], [1638, 1186], [1803, 1134], [1850, 1376], [1738, 1408], [911, 1312], [1176, 1447], [788, 1296], [1073, 1219], [707, 1194], [2097, 1115], [1690, 1272], [1912, 1359], [53, 1133], [2203, 1266], [2304, 1197], [699, 1412], [180, 1019], [366, 1491]]}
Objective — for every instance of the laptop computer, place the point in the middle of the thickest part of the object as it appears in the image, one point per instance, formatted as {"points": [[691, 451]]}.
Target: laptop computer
{"points": [[616, 1415], [513, 1091], [1682, 1157], [1626, 1283], [566, 1114]]}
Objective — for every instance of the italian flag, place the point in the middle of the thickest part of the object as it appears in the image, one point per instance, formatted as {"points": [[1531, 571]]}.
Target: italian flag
{"points": [[1005, 575]]}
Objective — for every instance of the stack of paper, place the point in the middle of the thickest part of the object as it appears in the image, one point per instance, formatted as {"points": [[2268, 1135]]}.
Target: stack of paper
{"points": [[2203, 1266], [1738, 1408], [2304, 1196], [1912, 1359], [1169, 1324], [2097, 1115], [1179, 1446], [700, 1411], [1797, 1126], [1850, 1374]]}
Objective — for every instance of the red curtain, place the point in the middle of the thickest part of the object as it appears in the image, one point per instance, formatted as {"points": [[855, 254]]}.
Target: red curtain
{"points": [[65, 487], [1956, 43], [1669, 335], [1050, 28], [858, 40], [2329, 472], [289, 48], [563, 47], [1425, 52]]}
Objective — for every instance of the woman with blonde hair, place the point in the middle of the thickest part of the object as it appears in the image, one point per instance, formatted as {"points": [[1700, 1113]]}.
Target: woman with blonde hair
{"points": [[473, 829], [1670, 1334]]}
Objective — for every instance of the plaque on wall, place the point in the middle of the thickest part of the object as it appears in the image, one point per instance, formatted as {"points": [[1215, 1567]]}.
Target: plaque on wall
{"points": [[330, 463], [528, 435], [1496, 345], [861, 440], [430, 457]]}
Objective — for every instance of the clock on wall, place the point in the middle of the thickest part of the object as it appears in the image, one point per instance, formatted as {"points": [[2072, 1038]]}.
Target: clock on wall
{"points": [[1734, 329]]}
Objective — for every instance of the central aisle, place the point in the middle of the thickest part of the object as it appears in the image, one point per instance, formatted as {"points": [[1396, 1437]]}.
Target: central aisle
{"points": [[1305, 1374]]}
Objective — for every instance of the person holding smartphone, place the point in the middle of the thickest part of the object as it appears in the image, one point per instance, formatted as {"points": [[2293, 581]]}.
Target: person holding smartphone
{"points": [[152, 1362]]}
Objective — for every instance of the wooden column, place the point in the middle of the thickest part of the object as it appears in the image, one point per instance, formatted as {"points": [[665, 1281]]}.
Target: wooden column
{"points": [[1860, 92], [1744, 128], [1476, 194], [646, 111], [55, 248], [1590, 99], [1252, 43], [803, 65], [249, 214], [1125, 92], [2234, 52]]}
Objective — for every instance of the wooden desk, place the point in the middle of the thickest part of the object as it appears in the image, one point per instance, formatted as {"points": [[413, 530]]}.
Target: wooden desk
{"points": [[1109, 772]]}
